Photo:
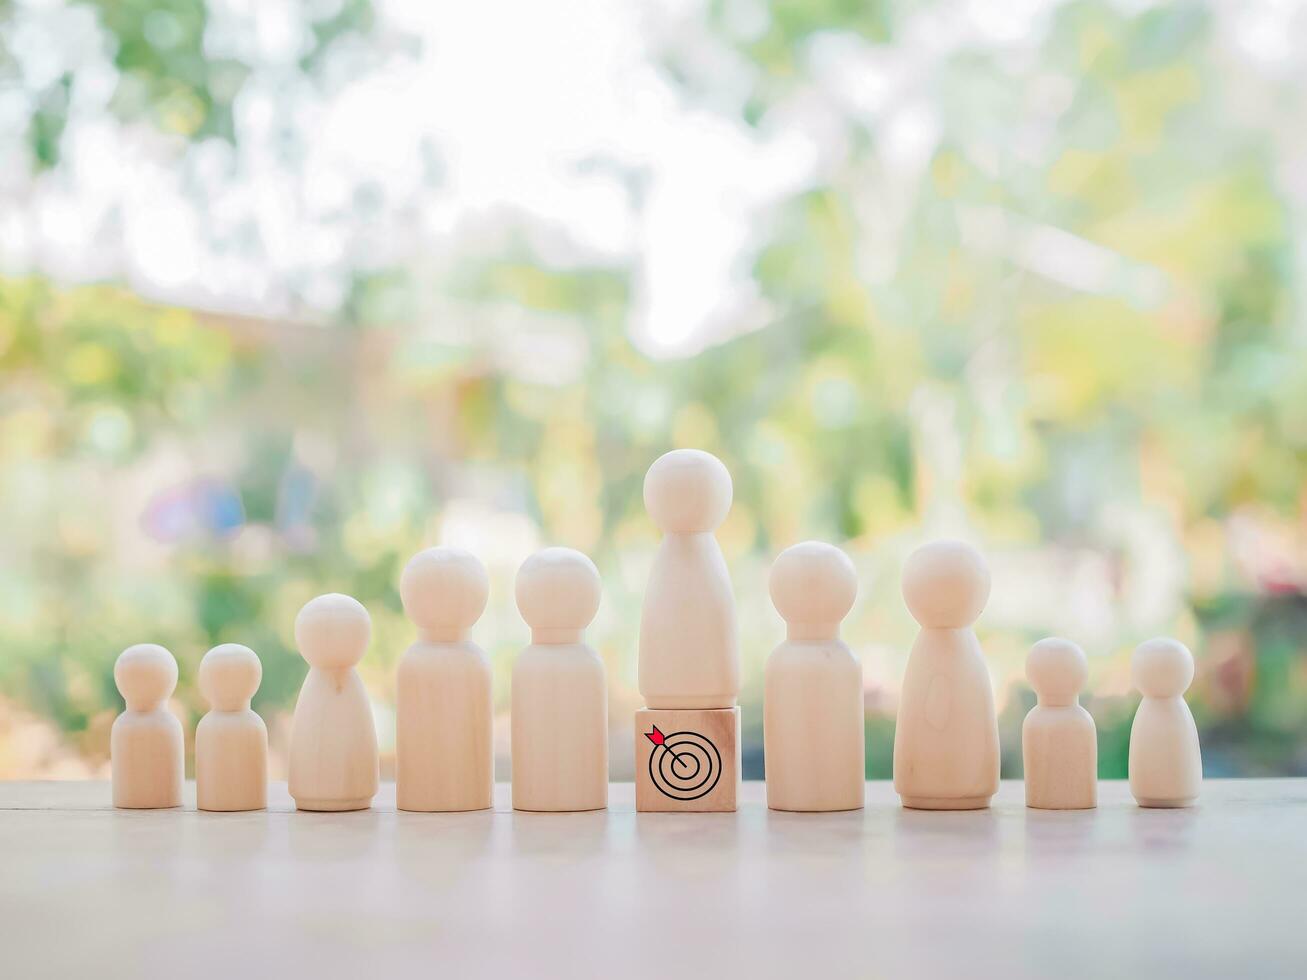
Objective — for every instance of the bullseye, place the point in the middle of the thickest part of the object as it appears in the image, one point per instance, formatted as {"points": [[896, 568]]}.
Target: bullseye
{"points": [[684, 765]]}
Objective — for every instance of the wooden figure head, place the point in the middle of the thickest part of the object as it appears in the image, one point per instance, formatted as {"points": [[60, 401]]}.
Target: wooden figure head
{"points": [[1057, 669], [558, 593], [812, 586], [146, 675], [229, 676], [946, 585], [444, 592], [687, 491], [333, 631], [1162, 668]]}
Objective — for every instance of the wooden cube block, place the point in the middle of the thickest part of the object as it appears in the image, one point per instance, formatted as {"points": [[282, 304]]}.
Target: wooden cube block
{"points": [[687, 760]]}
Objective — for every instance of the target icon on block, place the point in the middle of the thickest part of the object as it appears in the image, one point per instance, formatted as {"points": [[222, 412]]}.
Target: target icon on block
{"points": [[684, 765]]}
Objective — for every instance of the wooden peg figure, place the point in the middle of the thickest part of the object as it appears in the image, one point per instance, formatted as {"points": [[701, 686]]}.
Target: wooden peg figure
{"points": [[689, 651], [1166, 765], [444, 735], [560, 692], [946, 737], [333, 763], [812, 703], [1059, 742], [145, 745], [231, 741]]}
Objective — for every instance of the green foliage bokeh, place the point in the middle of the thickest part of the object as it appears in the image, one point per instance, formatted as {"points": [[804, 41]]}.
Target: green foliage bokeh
{"points": [[1161, 407]]}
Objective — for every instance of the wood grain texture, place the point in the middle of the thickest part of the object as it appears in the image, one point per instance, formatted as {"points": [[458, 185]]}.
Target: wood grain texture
{"points": [[231, 761], [946, 754], [560, 728], [696, 769], [444, 727], [1059, 746], [813, 727], [334, 763], [1204, 892], [1166, 766], [148, 759]]}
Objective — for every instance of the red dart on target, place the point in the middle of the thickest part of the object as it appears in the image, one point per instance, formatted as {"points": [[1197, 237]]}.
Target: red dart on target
{"points": [[658, 738]]}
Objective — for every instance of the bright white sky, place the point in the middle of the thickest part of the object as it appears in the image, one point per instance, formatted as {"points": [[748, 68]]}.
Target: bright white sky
{"points": [[528, 114], [549, 110]]}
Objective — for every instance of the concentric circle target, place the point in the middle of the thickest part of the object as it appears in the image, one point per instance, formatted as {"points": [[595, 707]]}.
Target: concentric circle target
{"points": [[686, 766]]}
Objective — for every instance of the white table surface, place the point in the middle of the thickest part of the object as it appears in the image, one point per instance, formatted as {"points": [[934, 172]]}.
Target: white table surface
{"points": [[1219, 890]]}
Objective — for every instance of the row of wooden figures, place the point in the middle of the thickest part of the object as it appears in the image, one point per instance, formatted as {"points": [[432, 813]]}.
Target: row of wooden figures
{"points": [[946, 746]]}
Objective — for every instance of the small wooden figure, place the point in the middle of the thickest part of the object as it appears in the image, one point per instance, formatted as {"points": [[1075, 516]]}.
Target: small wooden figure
{"points": [[1166, 765], [689, 652], [946, 737], [1059, 742], [687, 761], [231, 741], [812, 703], [145, 745], [560, 692], [333, 763], [444, 734]]}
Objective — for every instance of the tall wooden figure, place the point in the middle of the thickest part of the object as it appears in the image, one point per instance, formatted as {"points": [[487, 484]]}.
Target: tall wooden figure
{"points": [[333, 762], [231, 741], [812, 704], [444, 733], [946, 737], [1059, 743], [560, 692], [1166, 764], [146, 745], [687, 754]]}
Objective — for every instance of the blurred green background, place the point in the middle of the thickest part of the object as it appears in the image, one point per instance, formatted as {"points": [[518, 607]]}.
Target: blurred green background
{"points": [[290, 291]]}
